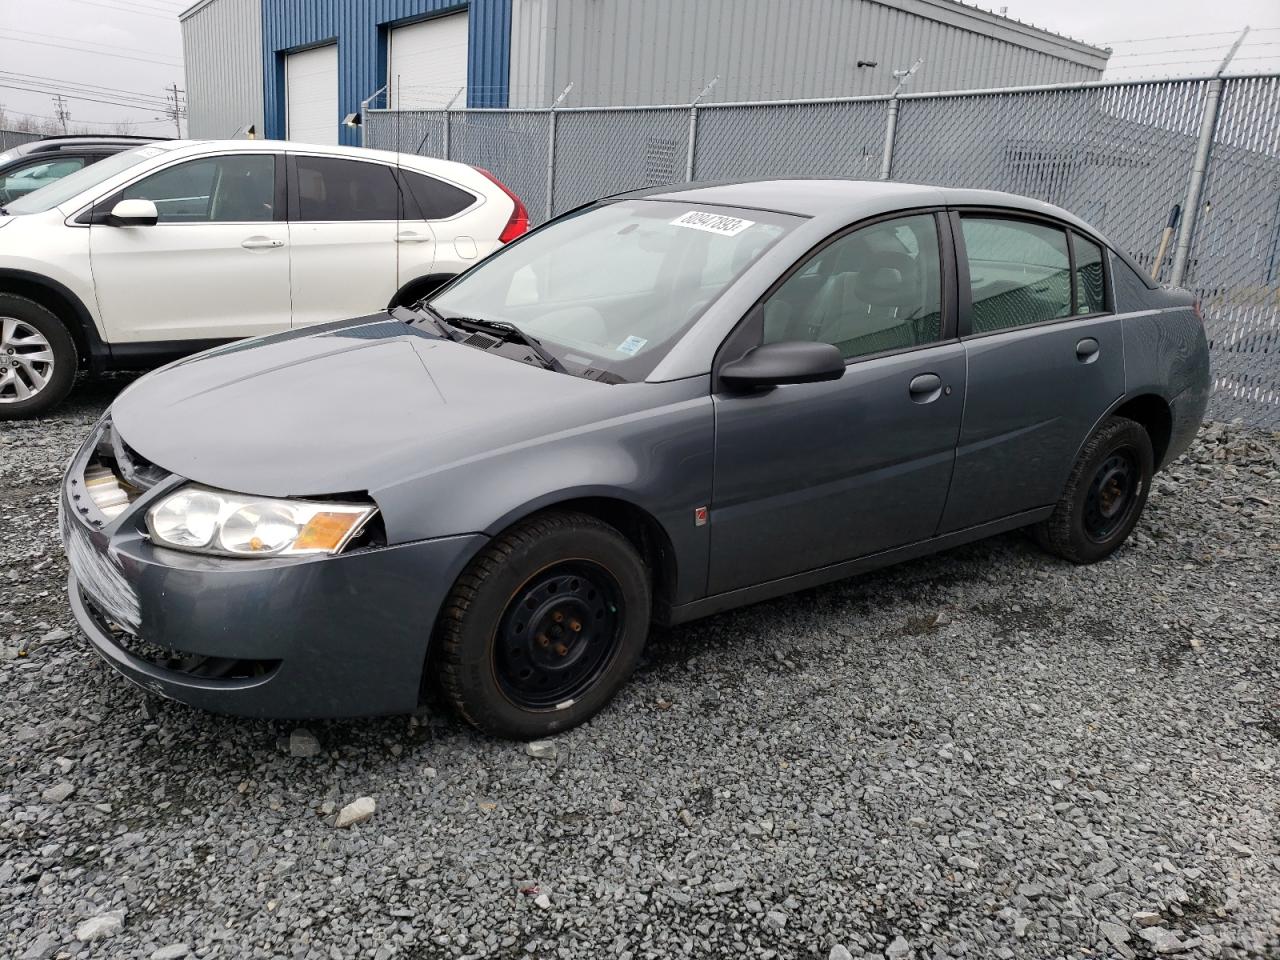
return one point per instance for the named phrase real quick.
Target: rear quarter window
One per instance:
(430, 199)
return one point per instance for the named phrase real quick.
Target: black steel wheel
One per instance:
(1104, 495)
(543, 627)
(1112, 495)
(557, 635)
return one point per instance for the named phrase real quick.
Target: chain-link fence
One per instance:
(1122, 156)
(12, 138)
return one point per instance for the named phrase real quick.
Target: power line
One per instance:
(100, 53)
(114, 103)
(159, 13)
(94, 45)
(146, 99)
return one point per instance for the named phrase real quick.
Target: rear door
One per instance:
(215, 266)
(1045, 359)
(807, 475)
(343, 219)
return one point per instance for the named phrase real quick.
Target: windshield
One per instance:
(612, 288)
(59, 192)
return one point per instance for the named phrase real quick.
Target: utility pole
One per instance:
(60, 111)
(175, 111)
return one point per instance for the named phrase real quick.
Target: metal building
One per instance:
(297, 68)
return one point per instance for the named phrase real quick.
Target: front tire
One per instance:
(38, 359)
(543, 626)
(1104, 496)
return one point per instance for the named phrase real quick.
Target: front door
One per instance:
(1045, 358)
(342, 238)
(215, 266)
(808, 475)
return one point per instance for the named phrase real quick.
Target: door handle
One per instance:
(1087, 350)
(261, 243)
(925, 388)
(412, 238)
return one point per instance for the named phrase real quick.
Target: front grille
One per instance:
(176, 661)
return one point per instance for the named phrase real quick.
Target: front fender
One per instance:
(658, 460)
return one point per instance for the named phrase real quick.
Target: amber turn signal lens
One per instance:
(327, 531)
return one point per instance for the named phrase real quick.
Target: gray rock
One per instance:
(542, 901)
(358, 811)
(58, 793)
(1114, 932)
(174, 951)
(303, 743)
(41, 948)
(840, 952)
(541, 749)
(102, 926)
(899, 949)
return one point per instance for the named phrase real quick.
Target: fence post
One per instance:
(691, 159)
(1195, 186)
(448, 121)
(551, 152)
(890, 134)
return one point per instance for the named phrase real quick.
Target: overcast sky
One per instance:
(130, 51)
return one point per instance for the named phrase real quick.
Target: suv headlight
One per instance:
(201, 520)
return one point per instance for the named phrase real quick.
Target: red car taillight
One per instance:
(518, 224)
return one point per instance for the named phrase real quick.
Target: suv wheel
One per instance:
(38, 358)
(544, 626)
(1104, 495)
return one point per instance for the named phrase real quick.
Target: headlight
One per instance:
(210, 521)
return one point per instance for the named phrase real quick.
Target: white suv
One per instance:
(170, 248)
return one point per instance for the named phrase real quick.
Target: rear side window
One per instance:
(1019, 273)
(1089, 279)
(332, 189)
(430, 199)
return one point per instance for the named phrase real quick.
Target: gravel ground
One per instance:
(988, 753)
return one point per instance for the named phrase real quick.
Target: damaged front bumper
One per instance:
(298, 637)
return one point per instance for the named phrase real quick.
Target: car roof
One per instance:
(845, 200)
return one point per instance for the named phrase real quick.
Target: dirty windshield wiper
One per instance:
(510, 332)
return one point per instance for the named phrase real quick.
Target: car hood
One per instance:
(353, 406)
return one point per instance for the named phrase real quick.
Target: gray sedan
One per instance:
(654, 408)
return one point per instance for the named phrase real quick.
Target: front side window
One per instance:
(74, 184)
(230, 189)
(1089, 278)
(36, 175)
(877, 289)
(330, 189)
(1019, 273)
(612, 288)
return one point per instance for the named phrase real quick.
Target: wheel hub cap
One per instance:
(26, 360)
(557, 635)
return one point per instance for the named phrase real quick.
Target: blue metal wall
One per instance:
(360, 29)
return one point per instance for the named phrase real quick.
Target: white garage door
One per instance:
(427, 63)
(311, 91)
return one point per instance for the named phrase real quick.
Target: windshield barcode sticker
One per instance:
(712, 223)
(631, 346)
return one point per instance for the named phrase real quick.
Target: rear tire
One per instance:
(38, 358)
(1104, 496)
(543, 626)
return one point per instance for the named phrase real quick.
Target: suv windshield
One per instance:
(610, 289)
(59, 192)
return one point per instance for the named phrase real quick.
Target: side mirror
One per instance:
(135, 213)
(789, 361)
